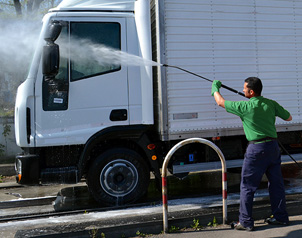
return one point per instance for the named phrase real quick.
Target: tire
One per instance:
(118, 176)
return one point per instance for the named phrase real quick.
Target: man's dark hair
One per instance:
(255, 84)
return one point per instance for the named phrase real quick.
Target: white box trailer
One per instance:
(227, 41)
(113, 123)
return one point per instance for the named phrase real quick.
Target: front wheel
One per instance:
(118, 176)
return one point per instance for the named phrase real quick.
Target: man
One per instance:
(262, 155)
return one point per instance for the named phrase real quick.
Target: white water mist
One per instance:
(18, 40)
(83, 50)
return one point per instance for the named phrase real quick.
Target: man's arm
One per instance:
(219, 99)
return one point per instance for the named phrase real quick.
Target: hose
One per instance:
(285, 150)
(222, 85)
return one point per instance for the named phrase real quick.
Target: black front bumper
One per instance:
(27, 169)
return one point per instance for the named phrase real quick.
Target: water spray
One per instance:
(197, 75)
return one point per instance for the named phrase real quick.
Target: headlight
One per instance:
(18, 166)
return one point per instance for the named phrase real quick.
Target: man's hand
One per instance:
(216, 85)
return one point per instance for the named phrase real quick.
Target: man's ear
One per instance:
(252, 92)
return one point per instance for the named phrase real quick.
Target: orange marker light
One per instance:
(151, 147)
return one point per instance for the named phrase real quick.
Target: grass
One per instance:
(196, 225)
(6, 113)
(213, 223)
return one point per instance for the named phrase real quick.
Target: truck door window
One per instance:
(87, 41)
(55, 91)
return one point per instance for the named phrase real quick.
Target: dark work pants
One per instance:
(259, 159)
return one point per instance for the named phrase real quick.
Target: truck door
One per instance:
(89, 93)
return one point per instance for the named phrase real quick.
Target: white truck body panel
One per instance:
(142, 18)
(25, 97)
(227, 41)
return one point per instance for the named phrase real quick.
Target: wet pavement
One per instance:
(147, 220)
(187, 201)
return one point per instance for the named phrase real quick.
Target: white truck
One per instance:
(114, 123)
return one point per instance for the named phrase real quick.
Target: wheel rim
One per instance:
(119, 178)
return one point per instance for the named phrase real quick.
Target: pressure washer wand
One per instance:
(222, 85)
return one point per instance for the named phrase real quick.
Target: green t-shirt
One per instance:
(258, 116)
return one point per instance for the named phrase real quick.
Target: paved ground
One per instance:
(262, 230)
(148, 220)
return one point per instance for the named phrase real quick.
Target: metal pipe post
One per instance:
(164, 177)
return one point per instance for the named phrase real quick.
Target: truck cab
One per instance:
(75, 111)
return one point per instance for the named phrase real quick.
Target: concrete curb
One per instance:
(7, 169)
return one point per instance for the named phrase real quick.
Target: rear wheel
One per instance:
(118, 176)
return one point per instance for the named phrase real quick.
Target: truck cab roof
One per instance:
(95, 5)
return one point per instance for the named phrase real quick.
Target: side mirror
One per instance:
(53, 31)
(50, 60)
(51, 52)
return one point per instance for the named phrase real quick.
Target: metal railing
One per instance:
(164, 177)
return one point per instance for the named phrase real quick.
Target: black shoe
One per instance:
(237, 226)
(273, 221)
